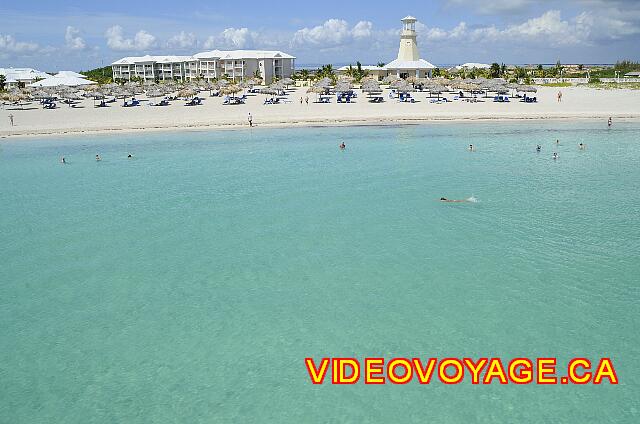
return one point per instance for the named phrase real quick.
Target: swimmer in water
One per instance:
(63, 160)
(581, 146)
(471, 148)
(129, 156)
(98, 158)
(538, 148)
(557, 141)
(343, 146)
(555, 155)
(444, 199)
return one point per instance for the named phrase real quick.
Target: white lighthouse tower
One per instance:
(408, 40)
(408, 63)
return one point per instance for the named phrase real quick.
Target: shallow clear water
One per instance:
(189, 283)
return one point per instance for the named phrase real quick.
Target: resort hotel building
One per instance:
(408, 63)
(234, 64)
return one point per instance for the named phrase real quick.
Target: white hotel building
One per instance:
(235, 64)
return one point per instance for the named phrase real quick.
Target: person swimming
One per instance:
(581, 146)
(538, 148)
(557, 141)
(343, 146)
(129, 156)
(555, 155)
(471, 148)
(470, 199)
(63, 160)
(98, 158)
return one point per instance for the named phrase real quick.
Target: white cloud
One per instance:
(332, 33)
(140, 42)
(182, 40)
(548, 29)
(362, 29)
(11, 45)
(235, 38)
(72, 40)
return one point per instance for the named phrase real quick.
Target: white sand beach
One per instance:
(577, 103)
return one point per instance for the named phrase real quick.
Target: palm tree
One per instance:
(326, 71)
(494, 72)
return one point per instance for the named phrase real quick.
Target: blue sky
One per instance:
(83, 34)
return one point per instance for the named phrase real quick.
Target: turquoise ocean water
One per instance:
(188, 284)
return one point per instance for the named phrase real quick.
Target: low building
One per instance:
(20, 77)
(373, 71)
(215, 64)
(470, 65)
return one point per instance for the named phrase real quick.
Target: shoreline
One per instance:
(308, 123)
(84, 119)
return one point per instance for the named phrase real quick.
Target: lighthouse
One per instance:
(408, 40)
(408, 63)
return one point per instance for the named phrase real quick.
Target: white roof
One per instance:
(410, 64)
(69, 74)
(409, 18)
(364, 67)
(472, 65)
(130, 60)
(54, 81)
(243, 54)
(22, 74)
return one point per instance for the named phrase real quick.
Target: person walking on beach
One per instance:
(559, 96)
(301, 100)
(11, 119)
(306, 99)
(250, 119)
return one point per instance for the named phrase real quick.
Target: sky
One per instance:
(80, 35)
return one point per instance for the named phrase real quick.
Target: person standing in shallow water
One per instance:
(609, 122)
(250, 119)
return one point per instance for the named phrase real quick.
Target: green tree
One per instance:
(3, 80)
(102, 75)
(494, 71)
(326, 71)
(381, 64)
(436, 72)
